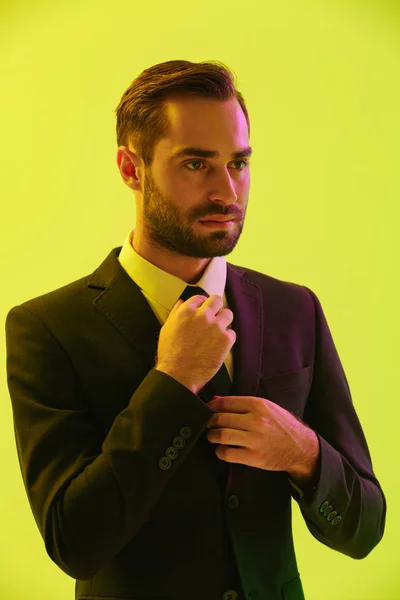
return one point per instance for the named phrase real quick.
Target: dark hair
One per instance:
(141, 117)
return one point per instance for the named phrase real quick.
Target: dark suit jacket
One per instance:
(95, 424)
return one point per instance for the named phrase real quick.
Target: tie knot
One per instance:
(192, 290)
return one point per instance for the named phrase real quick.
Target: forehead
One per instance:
(204, 122)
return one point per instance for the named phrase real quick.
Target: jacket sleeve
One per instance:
(343, 506)
(90, 495)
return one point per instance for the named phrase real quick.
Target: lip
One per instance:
(218, 219)
(217, 224)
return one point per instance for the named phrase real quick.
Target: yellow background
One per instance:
(321, 82)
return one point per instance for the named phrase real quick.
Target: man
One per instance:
(160, 462)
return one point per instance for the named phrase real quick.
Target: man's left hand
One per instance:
(268, 436)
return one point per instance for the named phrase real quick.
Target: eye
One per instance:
(245, 162)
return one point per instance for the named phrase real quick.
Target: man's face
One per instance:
(179, 191)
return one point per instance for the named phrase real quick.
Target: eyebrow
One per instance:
(202, 153)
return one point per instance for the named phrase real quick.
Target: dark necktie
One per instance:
(220, 384)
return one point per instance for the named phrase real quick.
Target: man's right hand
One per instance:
(195, 340)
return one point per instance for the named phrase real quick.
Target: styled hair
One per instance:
(141, 114)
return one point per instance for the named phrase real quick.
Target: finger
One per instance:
(177, 304)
